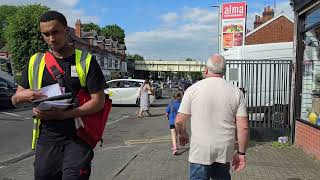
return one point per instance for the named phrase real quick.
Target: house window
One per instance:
(109, 63)
(105, 62)
(310, 95)
(116, 64)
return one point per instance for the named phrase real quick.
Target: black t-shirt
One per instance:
(57, 131)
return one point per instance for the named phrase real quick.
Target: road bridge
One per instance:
(170, 66)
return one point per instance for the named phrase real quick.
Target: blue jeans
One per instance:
(215, 171)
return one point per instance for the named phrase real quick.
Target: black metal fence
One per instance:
(267, 88)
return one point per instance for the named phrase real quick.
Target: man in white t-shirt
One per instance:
(217, 109)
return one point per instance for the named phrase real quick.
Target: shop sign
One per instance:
(233, 24)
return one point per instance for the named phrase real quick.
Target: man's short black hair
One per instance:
(53, 15)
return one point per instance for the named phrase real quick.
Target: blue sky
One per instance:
(158, 29)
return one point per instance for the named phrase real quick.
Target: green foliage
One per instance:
(277, 144)
(90, 27)
(189, 59)
(5, 12)
(114, 32)
(196, 75)
(23, 35)
(135, 57)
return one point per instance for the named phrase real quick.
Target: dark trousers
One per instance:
(215, 171)
(71, 161)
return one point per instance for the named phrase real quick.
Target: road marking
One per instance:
(11, 114)
(114, 147)
(148, 141)
(15, 115)
(115, 121)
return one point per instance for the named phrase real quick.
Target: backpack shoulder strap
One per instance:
(52, 65)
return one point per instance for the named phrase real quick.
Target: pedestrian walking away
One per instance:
(60, 153)
(171, 113)
(218, 110)
(145, 91)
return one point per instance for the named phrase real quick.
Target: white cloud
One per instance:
(67, 7)
(170, 17)
(70, 3)
(193, 36)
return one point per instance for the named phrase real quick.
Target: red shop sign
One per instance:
(234, 10)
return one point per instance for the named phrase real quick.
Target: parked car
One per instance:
(125, 91)
(7, 90)
(157, 90)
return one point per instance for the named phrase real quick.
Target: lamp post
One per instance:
(219, 27)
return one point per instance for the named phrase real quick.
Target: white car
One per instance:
(125, 91)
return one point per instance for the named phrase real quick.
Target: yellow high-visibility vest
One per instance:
(35, 74)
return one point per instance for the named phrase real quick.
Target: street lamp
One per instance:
(219, 28)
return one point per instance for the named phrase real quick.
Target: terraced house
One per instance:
(110, 54)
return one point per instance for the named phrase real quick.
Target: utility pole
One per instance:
(219, 26)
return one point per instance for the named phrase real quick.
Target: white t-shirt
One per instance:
(213, 104)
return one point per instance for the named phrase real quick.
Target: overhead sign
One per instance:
(233, 24)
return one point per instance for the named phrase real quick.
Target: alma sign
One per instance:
(233, 24)
(234, 10)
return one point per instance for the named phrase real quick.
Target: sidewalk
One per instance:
(264, 162)
(140, 149)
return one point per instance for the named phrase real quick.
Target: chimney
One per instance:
(267, 14)
(257, 22)
(78, 28)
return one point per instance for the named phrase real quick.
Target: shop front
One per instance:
(307, 76)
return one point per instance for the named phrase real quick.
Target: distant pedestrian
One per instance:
(218, 111)
(171, 113)
(145, 91)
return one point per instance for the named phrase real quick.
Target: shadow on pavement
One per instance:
(157, 115)
(182, 151)
(159, 105)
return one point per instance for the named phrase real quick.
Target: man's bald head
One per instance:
(216, 64)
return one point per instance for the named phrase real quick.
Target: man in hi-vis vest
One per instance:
(60, 154)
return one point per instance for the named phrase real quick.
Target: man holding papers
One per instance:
(60, 154)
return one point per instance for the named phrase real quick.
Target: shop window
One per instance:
(313, 17)
(310, 96)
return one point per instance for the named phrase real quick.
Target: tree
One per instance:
(196, 75)
(189, 59)
(23, 36)
(90, 27)
(5, 12)
(135, 57)
(114, 32)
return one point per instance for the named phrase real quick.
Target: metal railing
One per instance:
(267, 88)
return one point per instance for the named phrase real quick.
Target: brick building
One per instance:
(109, 54)
(306, 91)
(276, 29)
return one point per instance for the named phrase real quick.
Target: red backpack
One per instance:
(89, 127)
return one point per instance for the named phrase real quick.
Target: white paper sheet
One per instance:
(52, 90)
(47, 105)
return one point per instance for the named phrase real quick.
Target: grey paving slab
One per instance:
(140, 149)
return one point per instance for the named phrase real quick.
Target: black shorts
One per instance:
(172, 126)
(71, 161)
